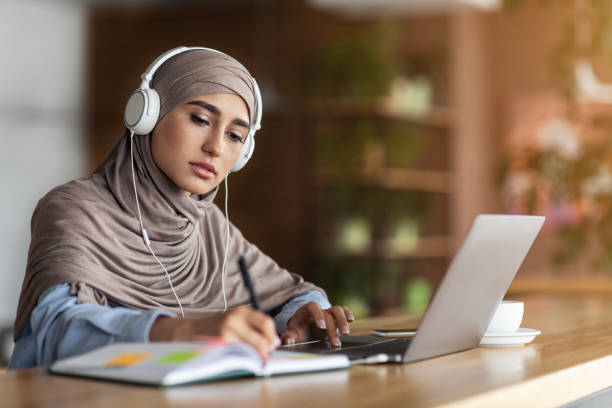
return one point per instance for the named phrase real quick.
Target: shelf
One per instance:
(437, 116)
(393, 178)
(368, 8)
(428, 247)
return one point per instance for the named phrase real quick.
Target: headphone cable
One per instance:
(145, 236)
(227, 240)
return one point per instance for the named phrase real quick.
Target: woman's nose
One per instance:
(213, 143)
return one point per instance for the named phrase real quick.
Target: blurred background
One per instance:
(387, 126)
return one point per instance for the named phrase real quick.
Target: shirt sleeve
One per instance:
(283, 313)
(59, 327)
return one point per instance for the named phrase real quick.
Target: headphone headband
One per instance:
(148, 74)
(142, 108)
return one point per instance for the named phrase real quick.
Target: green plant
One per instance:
(566, 170)
(345, 84)
(359, 66)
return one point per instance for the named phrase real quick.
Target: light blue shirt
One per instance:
(59, 327)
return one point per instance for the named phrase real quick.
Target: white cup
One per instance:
(507, 317)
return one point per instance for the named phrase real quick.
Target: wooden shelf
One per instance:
(393, 178)
(437, 116)
(428, 247)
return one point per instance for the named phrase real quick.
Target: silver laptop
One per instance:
(464, 303)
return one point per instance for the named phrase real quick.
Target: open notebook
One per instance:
(169, 364)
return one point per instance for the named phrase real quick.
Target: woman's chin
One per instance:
(191, 184)
(199, 189)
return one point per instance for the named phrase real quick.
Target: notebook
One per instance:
(175, 363)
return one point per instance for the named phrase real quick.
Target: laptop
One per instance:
(462, 306)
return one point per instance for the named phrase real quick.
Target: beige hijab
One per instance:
(87, 233)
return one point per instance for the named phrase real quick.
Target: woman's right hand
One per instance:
(242, 324)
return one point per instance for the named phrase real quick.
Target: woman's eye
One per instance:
(235, 137)
(198, 120)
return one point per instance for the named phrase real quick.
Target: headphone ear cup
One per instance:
(245, 153)
(142, 111)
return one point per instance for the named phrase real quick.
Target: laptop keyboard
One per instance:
(394, 348)
(358, 347)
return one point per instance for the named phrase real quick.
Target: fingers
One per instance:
(290, 336)
(349, 315)
(331, 320)
(324, 321)
(264, 325)
(332, 332)
(341, 321)
(299, 326)
(253, 327)
(317, 315)
(304, 323)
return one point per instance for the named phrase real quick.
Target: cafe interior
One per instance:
(387, 127)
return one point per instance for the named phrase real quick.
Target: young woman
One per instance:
(138, 252)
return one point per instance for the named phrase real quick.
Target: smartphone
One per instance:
(393, 332)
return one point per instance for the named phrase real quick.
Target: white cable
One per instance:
(227, 239)
(145, 236)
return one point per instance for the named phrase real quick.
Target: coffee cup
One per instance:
(507, 317)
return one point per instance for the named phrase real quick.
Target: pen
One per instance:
(246, 277)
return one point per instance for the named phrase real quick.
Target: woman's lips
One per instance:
(204, 170)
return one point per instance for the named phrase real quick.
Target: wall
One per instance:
(41, 87)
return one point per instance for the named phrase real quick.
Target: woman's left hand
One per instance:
(311, 322)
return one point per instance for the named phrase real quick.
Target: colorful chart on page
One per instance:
(127, 359)
(178, 357)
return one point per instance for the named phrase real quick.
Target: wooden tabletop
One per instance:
(570, 359)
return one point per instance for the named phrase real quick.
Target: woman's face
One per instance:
(197, 143)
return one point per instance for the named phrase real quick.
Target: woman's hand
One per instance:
(311, 322)
(242, 324)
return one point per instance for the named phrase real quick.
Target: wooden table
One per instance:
(570, 359)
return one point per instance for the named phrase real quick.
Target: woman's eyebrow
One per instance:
(240, 122)
(214, 110)
(207, 106)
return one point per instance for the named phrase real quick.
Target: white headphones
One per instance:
(142, 109)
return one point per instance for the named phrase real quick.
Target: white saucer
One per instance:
(520, 337)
